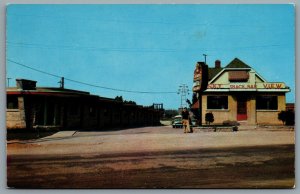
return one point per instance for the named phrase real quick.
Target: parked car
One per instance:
(177, 122)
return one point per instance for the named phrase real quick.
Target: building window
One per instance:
(74, 110)
(12, 102)
(266, 103)
(238, 76)
(217, 102)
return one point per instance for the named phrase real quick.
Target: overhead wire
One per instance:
(88, 84)
(88, 48)
(116, 49)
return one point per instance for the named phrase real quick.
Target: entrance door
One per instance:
(241, 109)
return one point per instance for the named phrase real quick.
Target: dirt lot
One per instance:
(154, 157)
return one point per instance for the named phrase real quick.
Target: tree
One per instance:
(189, 102)
(130, 102)
(290, 118)
(209, 118)
(282, 116)
(119, 98)
(287, 117)
(194, 99)
(170, 113)
(195, 111)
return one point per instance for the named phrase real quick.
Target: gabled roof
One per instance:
(212, 72)
(237, 63)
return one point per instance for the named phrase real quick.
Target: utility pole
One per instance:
(8, 81)
(62, 82)
(183, 91)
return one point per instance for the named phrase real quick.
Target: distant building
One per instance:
(237, 92)
(30, 107)
(290, 107)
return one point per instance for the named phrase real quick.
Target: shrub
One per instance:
(287, 117)
(209, 118)
(290, 118)
(282, 116)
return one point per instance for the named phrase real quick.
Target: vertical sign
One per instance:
(200, 77)
(200, 84)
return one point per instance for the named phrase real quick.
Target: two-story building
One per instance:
(237, 92)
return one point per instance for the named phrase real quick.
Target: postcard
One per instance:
(150, 96)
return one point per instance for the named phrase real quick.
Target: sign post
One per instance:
(200, 84)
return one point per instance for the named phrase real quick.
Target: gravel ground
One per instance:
(162, 138)
(154, 157)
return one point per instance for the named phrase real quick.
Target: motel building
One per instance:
(238, 93)
(50, 108)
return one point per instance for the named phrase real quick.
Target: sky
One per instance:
(148, 50)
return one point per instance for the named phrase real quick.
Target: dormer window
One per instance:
(238, 76)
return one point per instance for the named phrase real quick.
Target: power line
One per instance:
(44, 72)
(120, 49)
(88, 84)
(89, 48)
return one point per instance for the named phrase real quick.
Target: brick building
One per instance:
(30, 107)
(237, 92)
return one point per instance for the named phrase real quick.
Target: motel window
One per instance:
(12, 102)
(217, 102)
(266, 103)
(92, 111)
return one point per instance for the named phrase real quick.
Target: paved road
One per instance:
(153, 158)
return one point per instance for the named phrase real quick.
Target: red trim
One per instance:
(195, 105)
(40, 93)
(241, 117)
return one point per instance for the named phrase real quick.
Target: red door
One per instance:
(241, 109)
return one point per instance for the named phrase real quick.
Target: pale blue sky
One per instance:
(147, 47)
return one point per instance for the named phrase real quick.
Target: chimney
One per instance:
(25, 84)
(217, 64)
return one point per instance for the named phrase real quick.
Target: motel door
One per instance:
(241, 108)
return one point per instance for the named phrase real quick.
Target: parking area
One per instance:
(148, 139)
(154, 157)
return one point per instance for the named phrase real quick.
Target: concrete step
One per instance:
(243, 123)
(215, 129)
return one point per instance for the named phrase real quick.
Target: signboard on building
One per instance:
(245, 86)
(200, 77)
